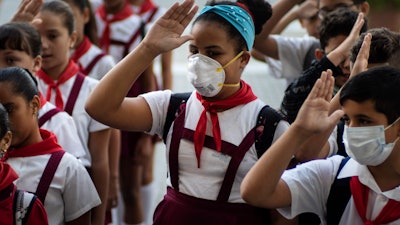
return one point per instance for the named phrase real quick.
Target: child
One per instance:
(95, 63)
(35, 214)
(370, 105)
(60, 81)
(44, 168)
(20, 45)
(91, 59)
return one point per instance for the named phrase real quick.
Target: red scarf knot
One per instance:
(243, 96)
(71, 70)
(360, 192)
(105, 38)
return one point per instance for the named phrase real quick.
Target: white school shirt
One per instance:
(71, 193)
(310, 185)
(121, 31)
(102, 66)
(205, 182)
(63, 126)
(83, 122)
(292, 52)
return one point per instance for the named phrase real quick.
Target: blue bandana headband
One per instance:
(238, 17)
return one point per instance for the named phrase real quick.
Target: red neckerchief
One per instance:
(43, 101)
(81, 49)
(389, 213)
(71, 70)
(121, 15)
(7, 191)
(243, 96)
(7, 175)
(147, 6)
(48, 145)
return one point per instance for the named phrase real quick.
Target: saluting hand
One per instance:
(313, 116)
(166, 33)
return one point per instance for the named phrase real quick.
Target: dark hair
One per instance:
(385, 47)
(23, 83)
(62, 9)
(20, 36)
(4, 121)
(338, 22)
(379, 85)
(260, 10)
(90, 28)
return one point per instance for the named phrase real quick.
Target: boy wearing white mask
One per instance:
(371, 109)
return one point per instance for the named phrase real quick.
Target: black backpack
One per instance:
(267, 117)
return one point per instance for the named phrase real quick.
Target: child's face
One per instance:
(211, 40)
(56, 41)
(10, 57)
(22, 114)
(364, 114)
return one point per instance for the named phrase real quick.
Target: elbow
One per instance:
(249, 194)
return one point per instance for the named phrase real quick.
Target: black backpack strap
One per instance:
(22, 206)
(267, 121)
(339, 138)
(176, 100)
(338, 196)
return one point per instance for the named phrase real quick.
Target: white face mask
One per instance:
(367, 145)
(207, 75)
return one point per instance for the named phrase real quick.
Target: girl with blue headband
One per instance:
(210, 144)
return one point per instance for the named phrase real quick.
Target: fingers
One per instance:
(361, 63)
(323, 87)
(358, 25)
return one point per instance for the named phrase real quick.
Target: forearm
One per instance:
(261, 183)
(109, 94)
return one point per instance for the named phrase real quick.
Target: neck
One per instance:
(55, 72)
(136, 2)
(386, 176)
(114, 9)
(33, 138)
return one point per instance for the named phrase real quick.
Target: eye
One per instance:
(346, 120)
(8, 108)
(10, 61)
(193, 51)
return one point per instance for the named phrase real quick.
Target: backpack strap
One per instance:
(339, 196)
(23, 203)
(48, 174)
(267, 121)
(339, 138)
(45, 117)
(176, 100)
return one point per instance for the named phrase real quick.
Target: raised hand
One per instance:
(361, 63)
(27, 10)
(341, 53)
(313, 116)
(166, 33)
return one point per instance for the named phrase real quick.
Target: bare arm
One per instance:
(82, 220)
(114, 151)
(100, 171)
(263, 185)
(263, 42)
(107, 103)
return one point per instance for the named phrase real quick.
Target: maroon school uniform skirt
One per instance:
(180, 209)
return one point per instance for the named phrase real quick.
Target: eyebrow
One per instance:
(207, 47)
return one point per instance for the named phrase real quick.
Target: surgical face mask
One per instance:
(367, 145)
(207, 75)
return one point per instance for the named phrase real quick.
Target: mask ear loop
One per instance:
(230, 62)
(391, 125)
